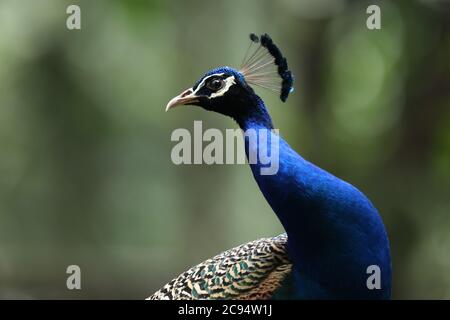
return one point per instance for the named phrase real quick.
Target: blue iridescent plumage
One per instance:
(334, 232)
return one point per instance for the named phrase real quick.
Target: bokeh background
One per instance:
(86, 176)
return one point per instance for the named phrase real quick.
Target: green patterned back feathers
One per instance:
(254, 270)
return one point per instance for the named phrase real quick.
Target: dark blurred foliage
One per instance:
(86, 174)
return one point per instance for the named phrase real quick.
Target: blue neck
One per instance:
(334, 232)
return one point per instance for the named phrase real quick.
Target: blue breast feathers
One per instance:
(334, 232)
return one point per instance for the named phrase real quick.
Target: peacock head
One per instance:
(220, 90)
(230, 92)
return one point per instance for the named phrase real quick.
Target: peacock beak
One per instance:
(186, 97)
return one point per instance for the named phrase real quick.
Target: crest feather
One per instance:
(266, 67)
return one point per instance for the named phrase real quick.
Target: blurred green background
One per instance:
(86, 176)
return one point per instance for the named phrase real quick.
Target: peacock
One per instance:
(335, 245)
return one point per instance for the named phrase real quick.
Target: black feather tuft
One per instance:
(281, 62)
(254, 37)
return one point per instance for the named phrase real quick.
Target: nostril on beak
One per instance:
(186, 93)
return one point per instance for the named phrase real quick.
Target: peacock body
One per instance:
(334, 233)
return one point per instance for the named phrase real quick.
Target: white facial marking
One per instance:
(228, 83)
(203, 81)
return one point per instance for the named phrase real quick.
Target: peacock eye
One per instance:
(215, 84)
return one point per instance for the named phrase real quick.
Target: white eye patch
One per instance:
(228, 83)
